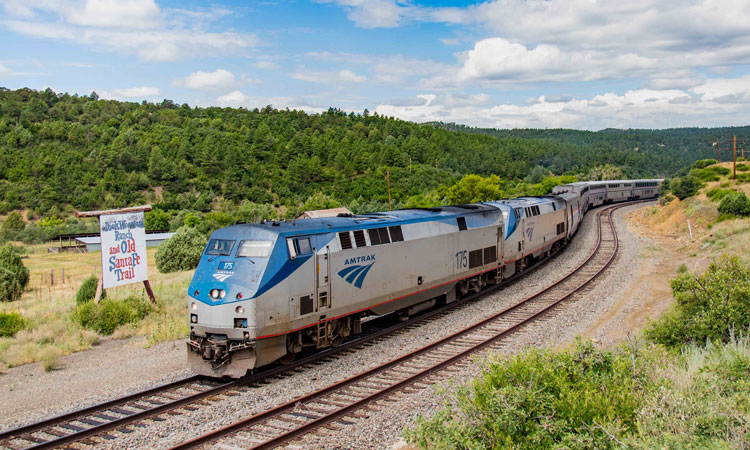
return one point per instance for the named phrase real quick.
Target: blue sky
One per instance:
(587, 64)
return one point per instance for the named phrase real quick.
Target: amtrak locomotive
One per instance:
(264, 292)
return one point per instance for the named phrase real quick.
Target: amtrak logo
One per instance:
(529, 233)
(355, 274)
(222, 276)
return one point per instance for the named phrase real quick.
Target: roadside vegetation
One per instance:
(683, 383)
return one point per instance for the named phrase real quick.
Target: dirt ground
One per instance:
(666, 246)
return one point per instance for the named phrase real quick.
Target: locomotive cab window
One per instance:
(254, 249)
(298, 247)
(219, 247)
(461, 223)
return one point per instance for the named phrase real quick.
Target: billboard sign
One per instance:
(123, 238)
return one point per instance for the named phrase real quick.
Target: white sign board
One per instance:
(123, 249)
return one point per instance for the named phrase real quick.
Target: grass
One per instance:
(47, 308)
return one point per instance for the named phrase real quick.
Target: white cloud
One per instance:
(342, 76)
(373, 13)
(234, 98)
(4, 71)
(138, 93)
(725, 90)
(239, 99)
(450, 41)
(266, 65)
(719, 102)
(134, 27)
(139, 14)
(218, 80)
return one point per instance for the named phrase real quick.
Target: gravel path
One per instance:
(111, 369)
(383, 428)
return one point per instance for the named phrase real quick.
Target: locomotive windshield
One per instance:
(254, 249)
(221, 247)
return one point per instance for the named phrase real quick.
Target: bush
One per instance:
(14, 276)
(716, 194)
(684, 187)
(703, 163)
(104, 317)
(87, 290)
(735, 203)
(707, 307)
(180, 252)
(11, 323)
(12, 225)
(743, 167)
(542, 399)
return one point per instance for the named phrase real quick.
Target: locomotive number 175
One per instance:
(461, 259)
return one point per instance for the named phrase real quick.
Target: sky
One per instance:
(585, 64)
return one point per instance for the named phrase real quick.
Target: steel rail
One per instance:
(25, 432)
(343, 411)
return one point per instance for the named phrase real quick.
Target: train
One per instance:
(265, 292)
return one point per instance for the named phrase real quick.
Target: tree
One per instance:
(12, 224)
(180, 252)
(474, 188)
(14, 276)
(157, 220)
(684, 187)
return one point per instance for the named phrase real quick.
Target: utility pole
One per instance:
(388, 175)
(718, 152)
(734, 164)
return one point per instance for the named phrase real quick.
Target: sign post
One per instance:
(123, 244)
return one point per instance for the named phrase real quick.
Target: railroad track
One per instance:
(122, 413)
(87, 425)
(341, 402)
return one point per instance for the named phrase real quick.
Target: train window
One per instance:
(220, 247)
(383, 232)
(536, 210)
(461, 223)
(374, 236)
(475, 258)
(517, 212)
(254, 249)
(345, 239)
(396, 234)
(298, 246)
(490, 254)
(528, 212)
(359, 238)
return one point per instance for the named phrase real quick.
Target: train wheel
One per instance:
(288, 358)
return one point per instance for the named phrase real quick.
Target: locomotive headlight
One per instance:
(214, 293)
(222, 293)
(239, 310)
(193, 306)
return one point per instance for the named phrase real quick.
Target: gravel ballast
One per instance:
(383, 427)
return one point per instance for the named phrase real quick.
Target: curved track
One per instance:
(79, 426)
(303, 415)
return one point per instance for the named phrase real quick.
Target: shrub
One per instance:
(684, 187)
(703, 163)
(542, 399)
(735, 203)
(14, 276)
(87, 290)
(50, 358)
(11, 260)
(104, 317)
(708, 307)
(716, 194)
(180, 252)
(12, 225)
(11, 323)
(743, 167)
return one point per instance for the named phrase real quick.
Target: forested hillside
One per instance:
(671, 150)
(60, 152)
